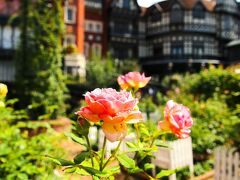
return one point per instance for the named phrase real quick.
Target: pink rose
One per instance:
(133, 80)
(177, 119)
(113, 107)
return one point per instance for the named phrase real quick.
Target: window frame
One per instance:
(74, 11)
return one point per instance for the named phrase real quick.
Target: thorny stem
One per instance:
(103, 153)
(112, 155)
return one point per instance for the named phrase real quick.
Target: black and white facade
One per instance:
(123, 19)
(183, 35)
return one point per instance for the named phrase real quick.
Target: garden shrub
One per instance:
(22, 157)
(212, 95)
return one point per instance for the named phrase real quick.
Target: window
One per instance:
(156, 16)
(69, 39)
(198, 49)
(16, 37)
(70, 14)
(132, 5)
(7, 37)
(93, 26)
(176, 14)
(90, 27)
(97, 49)
(177, 49)
(99, 27)
(1, 39)
(98, 38)
(130, 53)
(227, 23)
(142, 27)
(198, 12)
(158, 50)
(86, 49)
(126, 4)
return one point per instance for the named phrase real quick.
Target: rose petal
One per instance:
(114, 132)
(86, 113)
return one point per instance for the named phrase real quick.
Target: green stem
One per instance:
(137, 131)
(90, 149)
(152, 142)
(112, 155)
(103, 153)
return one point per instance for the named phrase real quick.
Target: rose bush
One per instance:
(112, 110)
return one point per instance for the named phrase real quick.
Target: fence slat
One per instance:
(236, 166)
(226, 164)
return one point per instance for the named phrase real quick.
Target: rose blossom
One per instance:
(177, 119)
(133, 80)
(114, 108)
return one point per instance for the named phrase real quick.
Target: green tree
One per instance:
(39, 76)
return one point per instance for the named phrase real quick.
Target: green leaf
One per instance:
(148, 166)
(126, 161)
(161, 143)
(70, 170)
(81, 157)
(22, 176)
(95, 178)
(135, 170)
(111, 178)
(60, 161)
(112, 170)
(164, 173)
(143, 149)
(92, 171)
(81, 172)
(131, 145)
(143, 129)
(77, 139)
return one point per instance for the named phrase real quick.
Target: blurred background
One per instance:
(53, 51)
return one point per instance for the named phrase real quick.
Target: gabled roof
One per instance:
(188, 4)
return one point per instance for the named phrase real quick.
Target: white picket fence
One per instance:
(178, 155)
(226, 164)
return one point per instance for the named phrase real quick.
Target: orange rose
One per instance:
(114, 108)
(133, 80)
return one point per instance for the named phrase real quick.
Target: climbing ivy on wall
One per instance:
(40, 81)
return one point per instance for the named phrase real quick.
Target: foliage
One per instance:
(202, 167)
(212, 96)
(21, 157)
(218, 83)
(147, 105)
(70, 49)
(39, 76)
(8, 114)
(101, 73)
